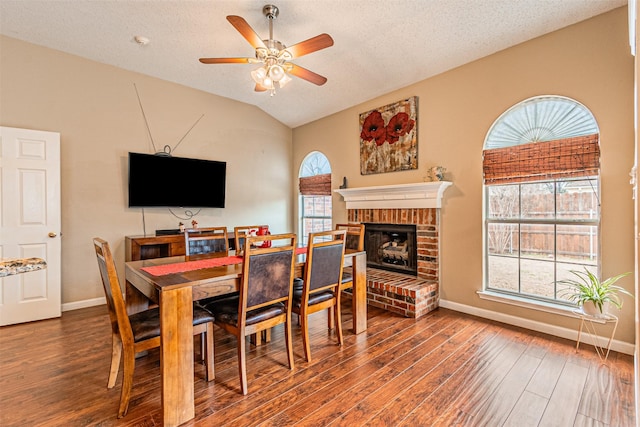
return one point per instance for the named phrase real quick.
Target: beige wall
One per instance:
(589, 62)
(95, 109)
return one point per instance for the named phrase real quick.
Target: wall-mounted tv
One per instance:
(166, 181)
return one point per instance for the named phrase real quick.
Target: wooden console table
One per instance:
(148, 247)
(138, 248)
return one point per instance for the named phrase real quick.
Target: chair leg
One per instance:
(259, 337)
(256, 339)
(127, 381)
(116, 354)
(338, 318)
(289, 342)
(209, 352)
(203, 347)
(304, 320)
(330, 319)
(242, 363)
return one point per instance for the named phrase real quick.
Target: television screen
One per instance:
(165, 181)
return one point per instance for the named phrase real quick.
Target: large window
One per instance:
(315, 195)
(542, 201)
(538, 232)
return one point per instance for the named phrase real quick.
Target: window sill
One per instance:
(527, 303)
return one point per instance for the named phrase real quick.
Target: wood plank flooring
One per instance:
(446, 369)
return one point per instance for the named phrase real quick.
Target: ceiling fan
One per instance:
(274, 57)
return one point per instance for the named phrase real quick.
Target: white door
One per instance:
(30, 222)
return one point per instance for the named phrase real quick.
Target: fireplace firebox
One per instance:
(391, 247)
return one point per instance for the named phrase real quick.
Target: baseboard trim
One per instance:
(570, 334)
(83, 304)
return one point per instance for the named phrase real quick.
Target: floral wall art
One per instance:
(388, 138)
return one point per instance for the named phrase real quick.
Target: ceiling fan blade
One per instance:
(246, 31)
(225, 60)
(260, 88)
(311, 45)
(307, 75)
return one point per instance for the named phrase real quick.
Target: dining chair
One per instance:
(355, 235)
(133, 334)
(321, 282)
(206, 242)
(354, 240)
(240, 233)
(264, 300)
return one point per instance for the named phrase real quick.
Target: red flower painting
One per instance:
(388, 138)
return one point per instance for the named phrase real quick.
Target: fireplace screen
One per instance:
(391, 247)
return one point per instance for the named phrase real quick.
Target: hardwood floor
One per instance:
(445, 369)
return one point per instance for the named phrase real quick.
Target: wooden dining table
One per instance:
(175, 293)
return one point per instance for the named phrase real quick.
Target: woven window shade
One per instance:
(537, 161)
(317, 185)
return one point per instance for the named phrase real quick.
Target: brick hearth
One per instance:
(401, 293)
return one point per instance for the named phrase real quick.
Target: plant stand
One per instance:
(589, 324)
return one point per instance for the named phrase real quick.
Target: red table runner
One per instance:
(181, 267)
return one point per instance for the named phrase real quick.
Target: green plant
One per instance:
(587, 287)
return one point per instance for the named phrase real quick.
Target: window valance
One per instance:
(537, 161)
(317, 185)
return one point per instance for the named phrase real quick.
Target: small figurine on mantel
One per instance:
(181, 227)
(194, 224)
(435, 173)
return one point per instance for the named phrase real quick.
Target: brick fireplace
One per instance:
(404, 204)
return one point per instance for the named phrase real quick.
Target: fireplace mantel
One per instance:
(415, 195)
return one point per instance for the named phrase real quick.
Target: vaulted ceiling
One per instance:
(380, 46)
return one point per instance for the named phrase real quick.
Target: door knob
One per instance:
(52, 234)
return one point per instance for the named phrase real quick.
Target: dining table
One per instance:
(174, 283)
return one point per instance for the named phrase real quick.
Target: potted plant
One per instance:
(592, 294)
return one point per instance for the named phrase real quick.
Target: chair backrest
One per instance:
(240, 234)
(325, 259)
(267, 275)
(115, 302)
(206, 242)
(355, 235)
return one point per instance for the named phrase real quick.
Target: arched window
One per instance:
(541, 164)
(315, 195)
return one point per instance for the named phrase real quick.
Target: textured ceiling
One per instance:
(380, 46)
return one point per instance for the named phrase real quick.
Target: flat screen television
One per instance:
(166, 181)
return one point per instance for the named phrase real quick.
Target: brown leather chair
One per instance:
(355, 235)
(206, 242)
(264, 300)
(354, 241)
(133, 334)
(240, 233)
(321, 283)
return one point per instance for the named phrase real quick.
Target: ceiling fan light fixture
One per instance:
(284, 80)
(259, 74)
(276, 73)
